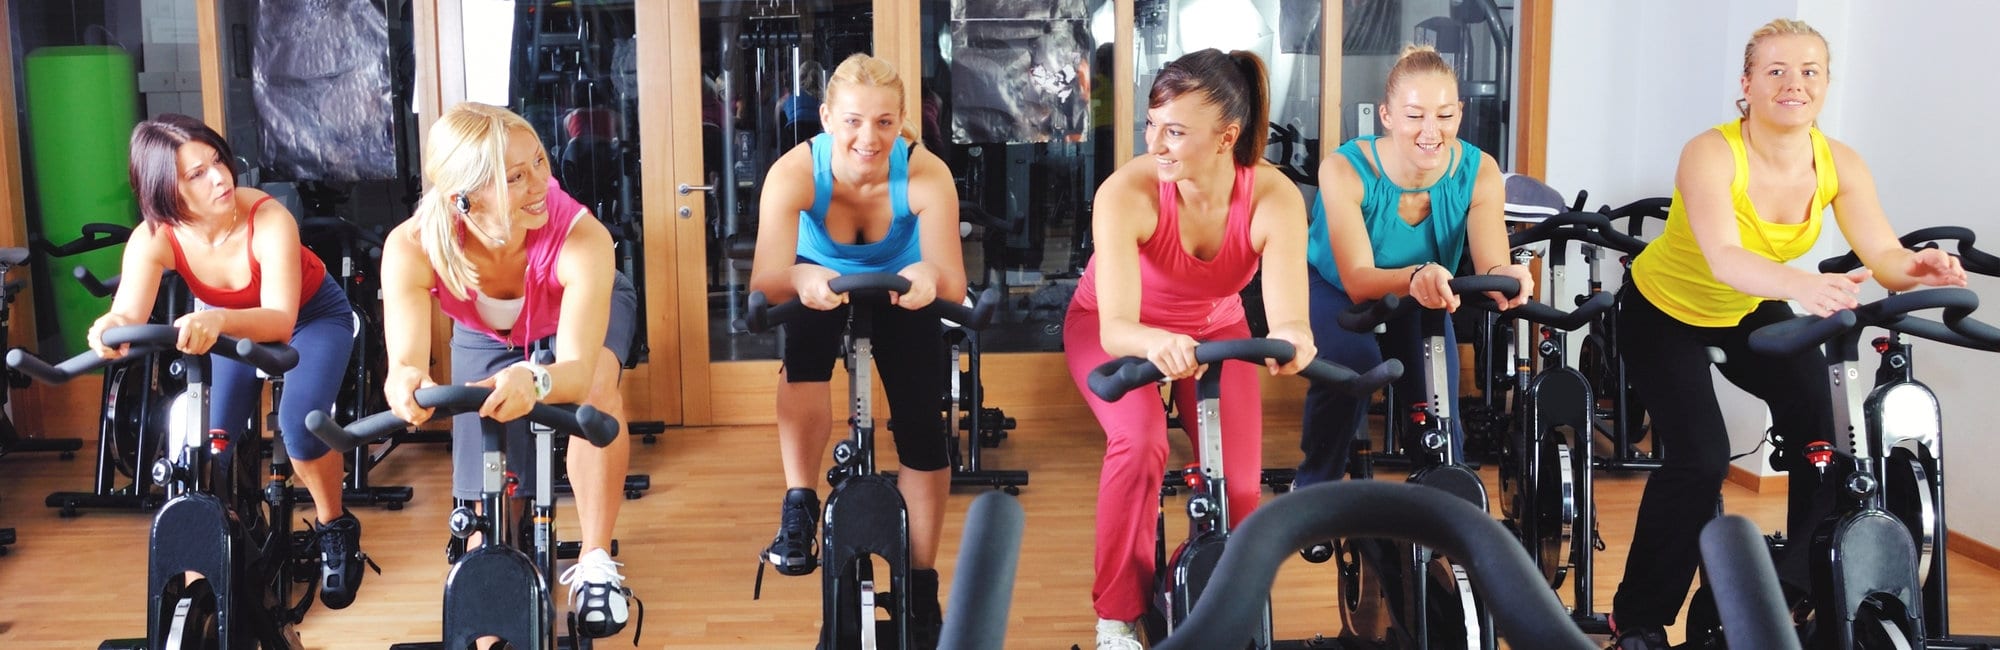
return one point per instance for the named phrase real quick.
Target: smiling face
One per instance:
(1187, 137)
(1787, 79)
(1421, 118)
(864, 121)
(207, 188)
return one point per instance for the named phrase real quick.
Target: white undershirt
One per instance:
(499, 314)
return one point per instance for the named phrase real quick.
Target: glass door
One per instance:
(747, 79)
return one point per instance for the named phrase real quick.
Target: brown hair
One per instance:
(155, 164)
(1233, 82)
(870, 72)
(1777, 27)
(1416, 60)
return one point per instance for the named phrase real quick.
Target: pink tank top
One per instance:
(1183, 292)
(541, 291)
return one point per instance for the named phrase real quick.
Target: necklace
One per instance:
(236, 219)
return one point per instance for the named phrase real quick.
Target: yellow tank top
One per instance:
(1673, 273)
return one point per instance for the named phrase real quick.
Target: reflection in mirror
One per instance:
(1017, 101)
(764, 64)
(1473, 35)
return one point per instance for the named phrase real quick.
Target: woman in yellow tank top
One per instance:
(1749, 195)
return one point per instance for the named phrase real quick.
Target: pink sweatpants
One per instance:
(1135, 458)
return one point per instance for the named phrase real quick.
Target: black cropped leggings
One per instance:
(909, 352)
(1668, 363)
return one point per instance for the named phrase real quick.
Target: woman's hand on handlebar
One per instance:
(1301, 338)
(1430, 285)
(1173, 354)
(400, 391)
(513, 394)
(1518, 272)
(923, 286)
(96, 336)
(1933, 267)
(1822, 294)
(198, 331)
(810, 282)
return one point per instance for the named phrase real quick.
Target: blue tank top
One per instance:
(899, 248)
(1439, 238)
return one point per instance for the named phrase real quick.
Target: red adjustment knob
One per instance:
(513, 483)
(218, 441)
(1191, 475)
(1819, 453)
(1420, 413)
(1881, 344)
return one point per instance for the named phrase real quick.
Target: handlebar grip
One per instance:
(1617, 241)
(586, 422)
(1791, 337)
(982, 587)
(1560, 226)
(760, 315)
(272, 358)
(853, 282)
(93, 236)
(95, 287)
(1113, 379)
(40, 370)
(1747, 596)
(357, 433)
(1345, 380)
(1365, 316)
(1501, 284)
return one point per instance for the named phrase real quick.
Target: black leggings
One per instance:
(909, 352)
(1668, 363)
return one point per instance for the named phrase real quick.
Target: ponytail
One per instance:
(1256, 119)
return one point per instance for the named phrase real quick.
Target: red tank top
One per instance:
(312, 272)
(1184, 292)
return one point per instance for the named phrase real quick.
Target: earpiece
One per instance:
(461, 203)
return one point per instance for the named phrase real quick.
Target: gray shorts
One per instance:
(476, 356)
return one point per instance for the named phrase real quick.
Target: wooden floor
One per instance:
(689, 547)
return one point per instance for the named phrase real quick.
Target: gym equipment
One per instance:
(972, 425)
(864, 515)
(10, 437)
(1400, 595)
(1180, 580)
(1623, 421)
(499, 589)
(215, 522)
(353, 256)
(984, 586)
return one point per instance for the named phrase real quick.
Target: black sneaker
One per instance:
(340, 560)
(1640, 637)
(792, 550)
(926, 617)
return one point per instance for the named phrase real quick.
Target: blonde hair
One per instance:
(1778, 27)
(866, 71)
(1416, 60)
(466, 154)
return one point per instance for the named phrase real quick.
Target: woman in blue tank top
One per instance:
(859, 199)
(1407, 208)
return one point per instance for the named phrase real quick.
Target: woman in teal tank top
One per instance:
(1406, 209)
(860, 198)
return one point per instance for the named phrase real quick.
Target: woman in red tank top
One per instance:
(1178, 233)
(218, 236)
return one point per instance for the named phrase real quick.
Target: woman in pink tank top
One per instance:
(1178, 234)
(515, 263)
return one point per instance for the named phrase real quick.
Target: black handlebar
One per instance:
(1747, 596)
(582, 421)
(872, 287)
(982, 587)
(1958, 327)
(92, 285)
(272, 358)
(1592, 227)
(1568, 321)
(1974, 260)
(1232, 605)
(1112, 380)
(94, 236)
(1366, 315)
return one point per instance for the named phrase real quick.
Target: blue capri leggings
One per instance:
(324, 337)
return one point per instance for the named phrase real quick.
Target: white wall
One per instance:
(1632, 82)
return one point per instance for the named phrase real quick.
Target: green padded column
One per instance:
(82, 102)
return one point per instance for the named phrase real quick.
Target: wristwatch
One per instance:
(544, 382)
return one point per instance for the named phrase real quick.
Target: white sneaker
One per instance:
(597, 593)
(1117, 635)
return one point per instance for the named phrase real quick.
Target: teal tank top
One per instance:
(1439, 238)
(899, 248)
